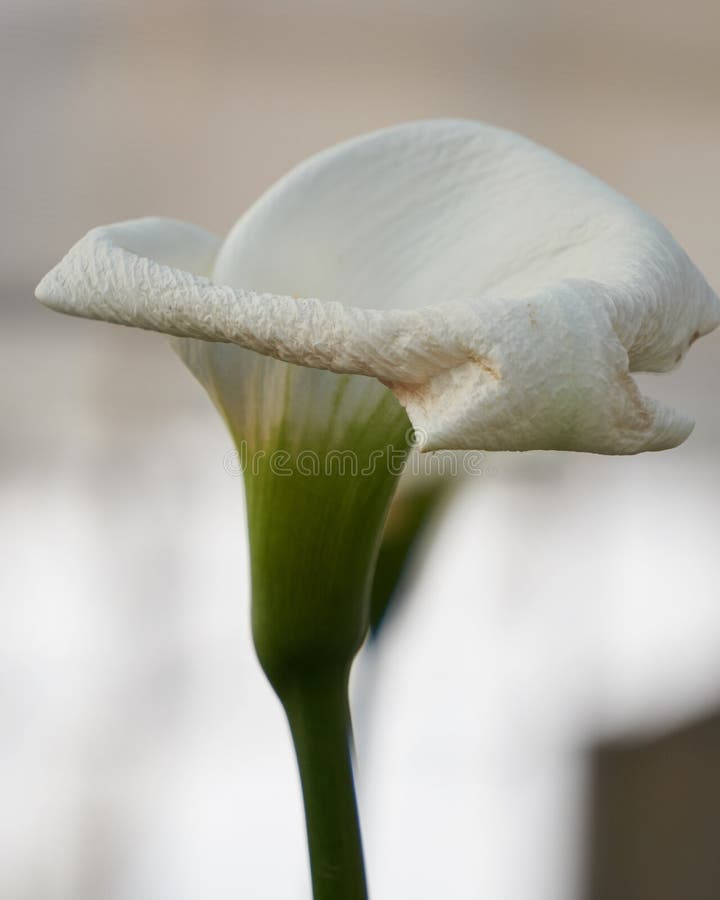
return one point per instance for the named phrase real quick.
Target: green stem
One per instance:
(319, 716)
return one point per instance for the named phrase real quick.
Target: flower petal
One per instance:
(522, 291)
(267, 403)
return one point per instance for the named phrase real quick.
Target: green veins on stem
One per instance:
(321, 455)
(317, 498)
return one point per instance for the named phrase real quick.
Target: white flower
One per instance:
(503, 294)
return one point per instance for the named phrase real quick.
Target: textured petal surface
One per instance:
(504, 294)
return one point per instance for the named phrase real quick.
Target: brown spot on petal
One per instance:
(695, 335)
(482, 363)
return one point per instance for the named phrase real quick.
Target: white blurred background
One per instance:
(566, 601)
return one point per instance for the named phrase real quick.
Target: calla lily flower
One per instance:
(503, 294)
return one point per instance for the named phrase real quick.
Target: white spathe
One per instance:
(503, 294)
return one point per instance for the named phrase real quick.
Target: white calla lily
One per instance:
(503, 294)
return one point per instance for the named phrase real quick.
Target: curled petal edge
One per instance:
(549, 371)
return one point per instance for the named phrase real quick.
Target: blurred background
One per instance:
(538, 720)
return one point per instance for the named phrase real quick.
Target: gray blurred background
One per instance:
(560, 630)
